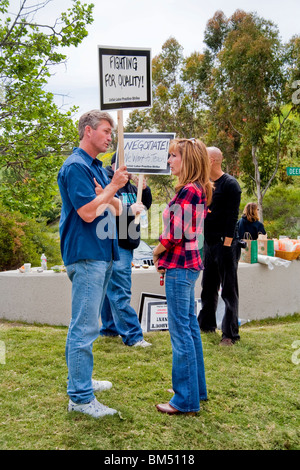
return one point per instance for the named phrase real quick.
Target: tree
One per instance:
(176, 102)
(34, 133)
(252, 72)
(176, 105)
(241, 94)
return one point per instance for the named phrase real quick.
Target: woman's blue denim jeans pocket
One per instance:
(89, 282)
(188, 373)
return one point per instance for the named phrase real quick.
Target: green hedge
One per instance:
(281, 209)
(23, 240)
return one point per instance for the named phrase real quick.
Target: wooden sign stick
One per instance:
(120, 138)
(139, 196)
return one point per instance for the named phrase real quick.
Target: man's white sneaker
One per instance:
(142, 344)
(101, 385)
(94, 408)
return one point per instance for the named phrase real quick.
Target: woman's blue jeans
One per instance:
(118, 317)
(188, 373)
(89, 282)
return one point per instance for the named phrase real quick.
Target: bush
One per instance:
(24, 240)
(282, 211)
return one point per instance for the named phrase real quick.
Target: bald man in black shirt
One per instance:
(221, 252)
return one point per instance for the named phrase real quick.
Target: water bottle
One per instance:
(44, 262)
(144, 219)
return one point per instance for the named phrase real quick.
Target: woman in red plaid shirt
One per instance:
(177, 255)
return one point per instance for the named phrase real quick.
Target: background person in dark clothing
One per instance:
(249, 225)
(221, 252)
(117, 315)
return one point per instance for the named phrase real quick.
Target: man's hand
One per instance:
(136, 208)
(135, 179)
(98, 188)
(105, 197)
(120, 177)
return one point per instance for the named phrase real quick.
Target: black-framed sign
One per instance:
(147, 153)
(125, 78)
(157, 318)
(145, 299)
(153, 311)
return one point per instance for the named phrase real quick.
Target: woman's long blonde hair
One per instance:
(251, 212)
(195, 165)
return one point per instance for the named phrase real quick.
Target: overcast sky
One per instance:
(148, 24)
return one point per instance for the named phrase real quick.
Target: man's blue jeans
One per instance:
(188, 374)
(117, 315)
(89, 282)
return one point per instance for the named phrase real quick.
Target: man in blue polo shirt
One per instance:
(89, 245)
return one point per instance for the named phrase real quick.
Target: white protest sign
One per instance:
(147, 153)
(125, 78)
(157, 316)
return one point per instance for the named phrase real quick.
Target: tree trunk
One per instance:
(258, 184)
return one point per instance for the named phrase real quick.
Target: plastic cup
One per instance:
(27, 267)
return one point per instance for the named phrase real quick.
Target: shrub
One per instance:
(24, 240)
(282, 211)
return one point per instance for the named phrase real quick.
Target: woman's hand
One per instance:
(155, 261)
(157, 252)
(136, 208)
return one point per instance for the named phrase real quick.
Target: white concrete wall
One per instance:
(46, 297)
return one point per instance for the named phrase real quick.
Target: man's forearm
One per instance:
(93, 209)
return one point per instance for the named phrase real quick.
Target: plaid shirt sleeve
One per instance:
(183, 223)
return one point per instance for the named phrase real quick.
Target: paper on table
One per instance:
(272, 261)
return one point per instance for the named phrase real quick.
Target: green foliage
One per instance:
(236, 95)
(176, 94)
(289, 152)
(23, 240)
(282, 211)
(251, 95)
(34, 133)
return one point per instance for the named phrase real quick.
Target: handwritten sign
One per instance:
(147, 153)
(125, 78)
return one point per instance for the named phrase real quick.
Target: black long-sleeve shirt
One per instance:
(250, 230)
(223, 211)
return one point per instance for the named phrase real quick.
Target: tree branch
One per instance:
(281, 124)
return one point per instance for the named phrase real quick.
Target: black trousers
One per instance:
(220, 269)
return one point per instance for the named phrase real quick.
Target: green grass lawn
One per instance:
(253, 392)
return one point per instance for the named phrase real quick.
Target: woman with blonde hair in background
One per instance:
(177, 255)
(249, 225)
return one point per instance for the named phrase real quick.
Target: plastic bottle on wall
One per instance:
(144, 219)
(44, 262)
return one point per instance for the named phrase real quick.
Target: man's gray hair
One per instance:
(93, 119)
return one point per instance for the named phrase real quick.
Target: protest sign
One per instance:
(125, 82)
(157, 316)
(153, 312)
(147, 153)
(125, 78)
